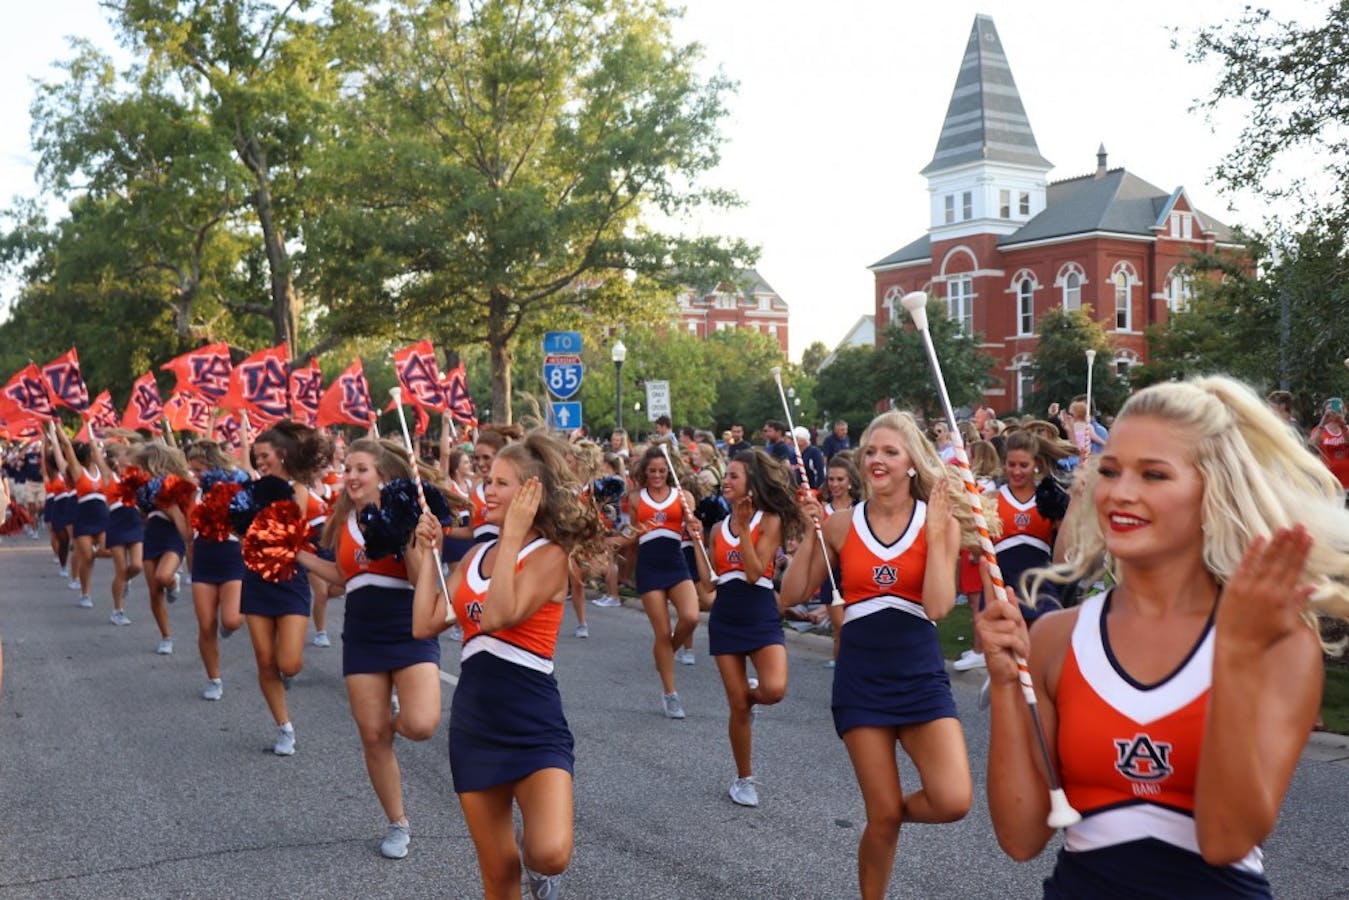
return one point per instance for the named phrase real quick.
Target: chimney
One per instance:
(1100, 161)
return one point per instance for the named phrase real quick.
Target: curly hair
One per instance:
(1257, 477)
(304, 451)
(654, 452)
(773, 490)
(565, 516)
(928, 469)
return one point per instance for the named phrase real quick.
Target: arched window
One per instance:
(1177, 289)
(1070, 281)
(1123, 279)
(1025, 306)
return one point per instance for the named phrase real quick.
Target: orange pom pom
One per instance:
(211, 517)
(176, 492)
(278, 533)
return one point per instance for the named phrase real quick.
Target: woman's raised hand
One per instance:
(520, 514)
(1002, 632)
(1265, 598)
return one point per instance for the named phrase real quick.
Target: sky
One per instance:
(839, 106)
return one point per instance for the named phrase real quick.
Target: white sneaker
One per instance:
(396, 839)
(165, 646)
(172, 593)
(64, 572)
(966, 654)
(966, 663)
(582, 631)
(744, 792)
(118, 617)
(606, 600)
(73, 584)
(214, 690)
(455, 632)
(684, 656)
(285, 741)
(673, 709)
(321, 639)
(86, 601)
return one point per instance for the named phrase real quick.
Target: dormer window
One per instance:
(1023, 204)
(1004, 204)
(967, 206)
(950, 208)
(1182, 226)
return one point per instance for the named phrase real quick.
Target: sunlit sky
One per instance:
(839, 106)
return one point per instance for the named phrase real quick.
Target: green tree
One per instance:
(904, 375)
(1291, 81)
(1059, 364)
(740, 364)
(813, 356)
(847, 388)
(263, 77)
(502, 162)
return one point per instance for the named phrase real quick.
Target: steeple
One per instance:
(985, 121)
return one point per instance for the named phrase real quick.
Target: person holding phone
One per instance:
(1329, 439)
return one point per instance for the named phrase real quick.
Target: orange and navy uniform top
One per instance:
(56, 487)
(315, 514)
(1128, 752)
(663, 520)
(482, 529)
(361, 571)
(530, 643)
(876, 576)
(727, 559)
(1027, 540)
(88, 489)
(1335, 453)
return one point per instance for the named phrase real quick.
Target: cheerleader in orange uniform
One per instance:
(379, 652)
(745, 623)
(897, 555)
(125, 539)
(509, 741)
(217, 563)
(277, 614)
(90, 522)
(166, 501)
(659, 517)
(57, 508)
(1177, 703)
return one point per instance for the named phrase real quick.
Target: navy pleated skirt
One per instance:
(744, 618)
(125, 527)
(660, 565)
(216, 562)
(890, 671)
(377, 632)
(162, 537)
(506, 722)
(260, 597)
(91, 517)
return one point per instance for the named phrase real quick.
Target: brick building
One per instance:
(748, 304)
(1005, 244)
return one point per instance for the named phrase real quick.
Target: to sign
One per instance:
(657, 400)
(562, 369)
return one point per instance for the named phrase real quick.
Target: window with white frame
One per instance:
(1023, 203)
(1122, 368)
(1004, 204)
(950, 208)
(725, 301)
(966, 206)
(725, 326)
(1071, 280)
(1025, 384)
(765, 303)
(1025, 307)
(960, 303)
(773, 329)
(693, 328)
(1177, 290)
(1123, 279)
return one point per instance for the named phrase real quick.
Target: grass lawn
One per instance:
(957, 629)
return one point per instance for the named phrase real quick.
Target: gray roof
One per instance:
(911, 252)
(1116, 201)
(985, 120)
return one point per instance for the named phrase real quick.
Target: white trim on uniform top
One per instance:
(486, 643)
(1145, 820)
(479, 582)
(854, 611)
(910, 534)
(739, 575)
(374, 579)
(92, 496)
(1006, 492)
(1022, 540)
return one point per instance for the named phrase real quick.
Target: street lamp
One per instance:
(618, 353)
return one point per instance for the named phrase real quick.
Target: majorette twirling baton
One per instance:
(1061, 812)
(661, 442)
(397, 394)
(801, 470)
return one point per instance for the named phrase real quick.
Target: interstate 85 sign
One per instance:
(562, 369)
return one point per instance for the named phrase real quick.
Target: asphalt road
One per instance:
(117, 781)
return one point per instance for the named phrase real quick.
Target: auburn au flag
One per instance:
(418, 376)
(188, 412)
(457, 399)
(102, 415)
(230, 432)
(65, 383)
(260, 386)
(306, 390)
(144, 409)
(26, 393)
(204, 371)
(347, 399)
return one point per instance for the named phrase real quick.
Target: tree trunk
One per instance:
(285, 303)
(501, 361)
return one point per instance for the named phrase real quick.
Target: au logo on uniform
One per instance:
(884, 575)
(1142, 759)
